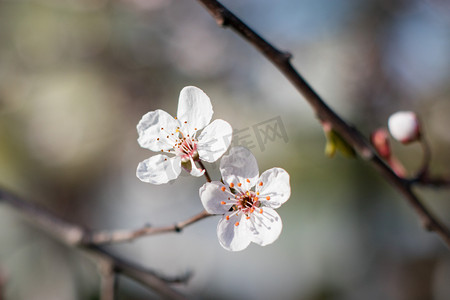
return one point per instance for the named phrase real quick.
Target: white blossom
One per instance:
(160, 132)
(248, 214)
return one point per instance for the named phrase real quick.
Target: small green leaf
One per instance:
(330, 148)
(336, 142)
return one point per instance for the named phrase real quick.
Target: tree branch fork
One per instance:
(91, 241)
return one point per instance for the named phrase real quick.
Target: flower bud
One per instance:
(380, 140)
(404, 126)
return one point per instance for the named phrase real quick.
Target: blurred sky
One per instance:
(76, 77)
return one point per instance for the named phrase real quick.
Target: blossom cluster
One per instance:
(245, 199)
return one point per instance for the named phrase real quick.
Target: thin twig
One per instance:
(118, 236)
(108, 281)
(281, 60)
(423, 171)
(436, 182)
(423, 176)
(145, 276)
(73, 235)
(208, 178)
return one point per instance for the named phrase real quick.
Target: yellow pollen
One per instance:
(256, 198)
(257, 193)
(248, 180)
(248, 218)
(239, 184)
(231, 185)
(223, 202)
(252, 209)
(268, 198)
(177, 130)
(261, 211)
(223, 189)
(260, 184)
(227, 217)
(237, 224)
(247, 193)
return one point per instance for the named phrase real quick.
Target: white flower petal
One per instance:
(214, 140)
(194, 110)
(195, 171)
(159, 169)
(266, 227)
(155, 130)
(239, 166)
(232, 237)
(275, 184)
(211, 195)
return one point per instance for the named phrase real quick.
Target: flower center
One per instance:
(186, 148)
(247, 202)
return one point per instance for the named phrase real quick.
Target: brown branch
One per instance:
(145, 276)
(108, 237)
(74, 235)
(208, 178)
(423, 176)
(423, 172)
(281, 60)
(426, 157)
(108, 281)
(431, 181)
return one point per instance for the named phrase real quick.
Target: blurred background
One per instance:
(76, 77)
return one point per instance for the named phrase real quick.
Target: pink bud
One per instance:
(380, 140)
(404, 126)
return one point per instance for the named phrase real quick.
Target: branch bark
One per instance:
(109, 237)
(108, 281)
(74, 235)
(281, 60)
